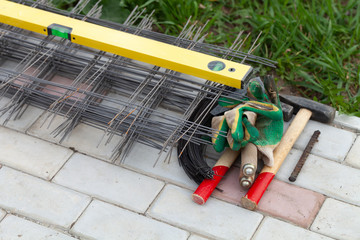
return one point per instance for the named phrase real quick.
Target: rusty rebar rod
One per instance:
(304, 156)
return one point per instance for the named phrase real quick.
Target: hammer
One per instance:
(305, 109)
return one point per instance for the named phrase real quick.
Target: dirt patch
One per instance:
(286, 88)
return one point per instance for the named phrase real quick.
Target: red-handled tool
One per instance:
(203, 192)
(253, 196)
(307, 108)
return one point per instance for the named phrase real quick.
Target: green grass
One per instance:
(316, 42)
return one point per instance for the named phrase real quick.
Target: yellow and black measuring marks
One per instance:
(124, 44)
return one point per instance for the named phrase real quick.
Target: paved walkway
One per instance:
(71, 190)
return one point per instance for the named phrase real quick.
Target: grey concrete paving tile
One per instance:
(142, 158)
(15, 228)
(40, 200)
(105, 221)
(193, 78)
(197, 237)
(338, 220)
(324, 176)
(215, 219)
(83, 138)
(289, 164)
(2, 214)
(28, 117)
(31, 155)
(163, 115)
(44, 127)
(9, 64)
(113, 100)
(351, 122)
(273, 229)
(109, 182)
(333, 143)
(353, 157)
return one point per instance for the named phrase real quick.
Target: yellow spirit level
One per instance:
(124, 44)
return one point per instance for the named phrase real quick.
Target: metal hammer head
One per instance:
(320, 112)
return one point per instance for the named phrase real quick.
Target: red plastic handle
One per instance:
(257, 190)
(205, 189)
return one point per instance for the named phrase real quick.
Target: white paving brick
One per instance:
(338, 220)
(40, 200)
(142, 158)
(193, 78)
(83, 138)
(15, 228)
(353, 157)
(289, 164)
(109, 182)
(31, 155)
(273, 229)
(114, 100)
(45, 125)
(146, 65)
(9, 64)
(163, 114)
(351, 122)
(21, 124)
(197, 237)
(324, 176)
(105, 221)
(2, 214)
(333, 143)
(216, 219)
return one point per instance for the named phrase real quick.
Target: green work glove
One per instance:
(250, 134)
(267, 114)
(266, 133)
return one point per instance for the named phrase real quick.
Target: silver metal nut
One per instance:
(249, 169)
(246, 182)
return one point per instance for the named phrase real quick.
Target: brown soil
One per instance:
(286, 88)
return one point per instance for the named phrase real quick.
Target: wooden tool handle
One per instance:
(203, 192)
(248, 165)
(205, 189)
(253, 196)
(249, 154)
